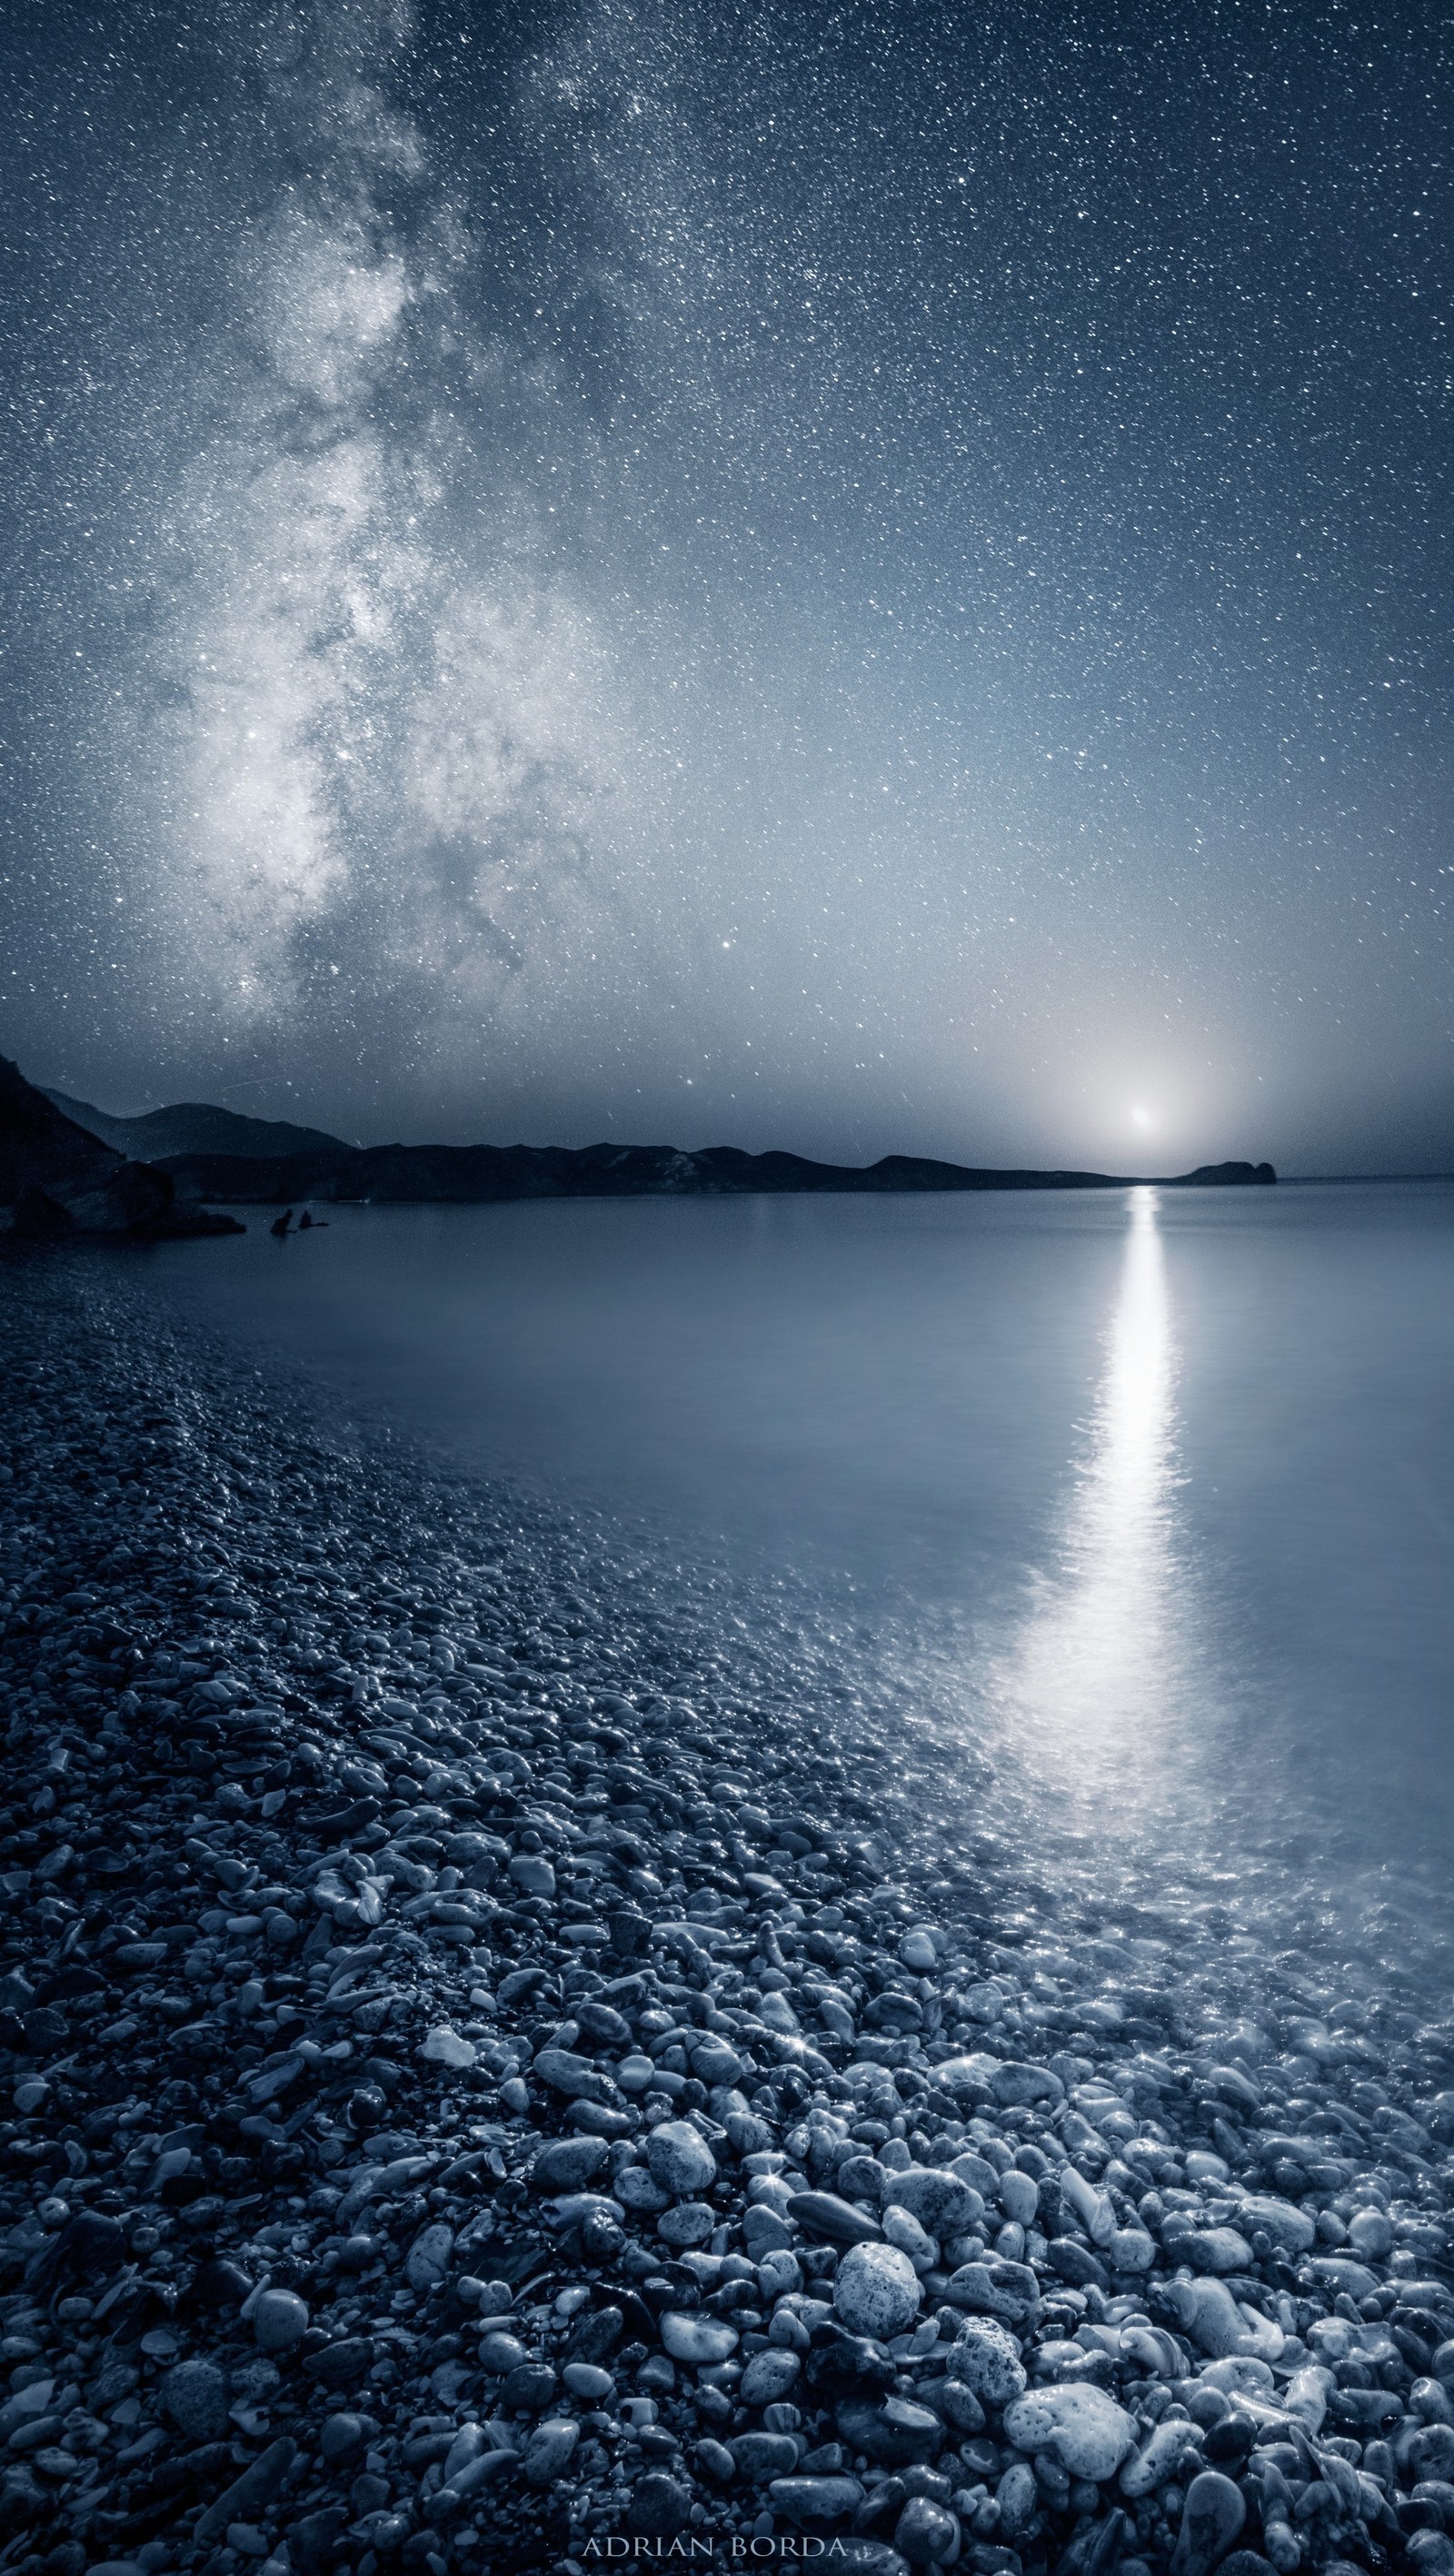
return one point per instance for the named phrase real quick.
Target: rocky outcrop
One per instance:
(57, 1179)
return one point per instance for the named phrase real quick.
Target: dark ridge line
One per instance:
(475, 1175)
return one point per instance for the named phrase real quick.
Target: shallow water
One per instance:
(1152, 1489)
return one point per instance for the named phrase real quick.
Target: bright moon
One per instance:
(1141, 1117)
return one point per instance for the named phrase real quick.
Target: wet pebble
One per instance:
(876, 2291)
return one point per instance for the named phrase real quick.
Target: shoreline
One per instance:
(442, 1838)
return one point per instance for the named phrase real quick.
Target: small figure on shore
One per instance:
(280, 1224)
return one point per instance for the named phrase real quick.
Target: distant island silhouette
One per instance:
(207, 1152)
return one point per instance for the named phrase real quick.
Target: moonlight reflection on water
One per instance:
(1107, 1674)
(1214, 1424)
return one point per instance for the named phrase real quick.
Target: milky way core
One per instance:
(863, 580)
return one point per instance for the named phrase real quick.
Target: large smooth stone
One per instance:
(1019, 2197)
(713, 2062)
(1130, 2249)
(1018, 2498)
(533, 1874)
(1081, 2427)
(1431, 2453)
(926, 2533)
(426, 2265)
(845, 2365)
(1370, 2235)
(659, 2506)
(547, 2453)
(578, 2208)
(635, 2189)
(876, 2291)
(1076, 2264)
(1306, 2395)
(901, 2228)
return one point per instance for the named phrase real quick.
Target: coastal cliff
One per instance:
(57, 1179)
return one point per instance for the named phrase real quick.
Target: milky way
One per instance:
(865, 579)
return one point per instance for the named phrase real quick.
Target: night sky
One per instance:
(857, 577)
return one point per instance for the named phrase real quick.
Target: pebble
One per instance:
(342, 2437)
(768, 2377)
(761, 2172)
(690, 2223)
(679, 2159)
(809, 2503)
(547, 2454)
(926, 2533)
(1213, 2319)
(1082, 2427)
(1019, 2197)
(698, 2339)
(659, 2507)
(876, 2291)
(942, 2204)
(1211, 2519)
(1290, 2228)
(279, 2320)
(986, 2359)
(1159, 2457)
(1009, 2291)
(583, 2379)
(761, 2456)
(567, 2163)
(426, 2265)
(194, 2394)
(443, 2046)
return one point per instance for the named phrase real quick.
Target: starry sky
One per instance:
(868, 577)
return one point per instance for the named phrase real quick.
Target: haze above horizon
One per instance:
(869, 583)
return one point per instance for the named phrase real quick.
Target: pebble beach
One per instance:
(507, 2065)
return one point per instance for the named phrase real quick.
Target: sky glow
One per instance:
(870, 582)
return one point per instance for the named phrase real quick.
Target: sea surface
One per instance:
(1147, 1495)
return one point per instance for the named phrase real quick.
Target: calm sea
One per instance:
(1151, 1488)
